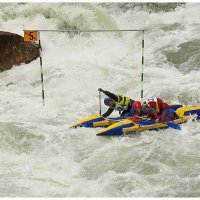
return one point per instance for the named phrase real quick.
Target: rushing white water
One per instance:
(41, 157)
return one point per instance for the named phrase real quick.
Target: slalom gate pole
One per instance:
(42, 80)
(142, 74)
(99, 103)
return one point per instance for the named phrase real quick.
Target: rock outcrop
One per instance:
(14, 51)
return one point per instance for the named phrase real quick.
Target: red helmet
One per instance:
(137, 105)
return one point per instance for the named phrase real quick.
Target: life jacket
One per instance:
(152, 102)
(123, 101)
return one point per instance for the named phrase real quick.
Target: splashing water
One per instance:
(41, 157)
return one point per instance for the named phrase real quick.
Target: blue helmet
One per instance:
(107, 100)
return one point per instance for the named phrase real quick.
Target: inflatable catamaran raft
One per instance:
(120, 126)
(99, 121)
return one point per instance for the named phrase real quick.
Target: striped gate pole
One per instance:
(99, 103)
(142, 74)
(42, 80)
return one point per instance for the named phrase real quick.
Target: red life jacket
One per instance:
(156, 103)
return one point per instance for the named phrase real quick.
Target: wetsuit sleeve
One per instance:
(163, 116)
(111, 95)
(108, 112)
(151, 112)
(165, 106)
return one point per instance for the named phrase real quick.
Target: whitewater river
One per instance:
(40, 156)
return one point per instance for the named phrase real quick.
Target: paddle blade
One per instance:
(136, 119)
(172, 125)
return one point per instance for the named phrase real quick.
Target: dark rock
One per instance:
(14, 51)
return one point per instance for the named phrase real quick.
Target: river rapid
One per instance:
(40, 156)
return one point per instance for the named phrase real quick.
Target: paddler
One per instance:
(120, 103)
(154, 108)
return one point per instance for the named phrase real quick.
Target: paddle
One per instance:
(174, 126)
(137, 118)
(99, 103)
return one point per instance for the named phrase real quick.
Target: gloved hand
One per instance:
(157, 120)
(100, 90)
